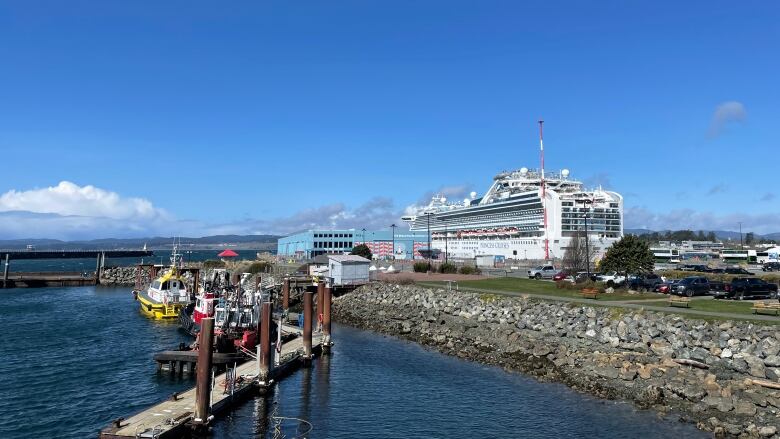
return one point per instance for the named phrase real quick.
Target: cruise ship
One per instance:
(526, 214)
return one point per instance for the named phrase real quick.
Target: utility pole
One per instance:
(392, 226)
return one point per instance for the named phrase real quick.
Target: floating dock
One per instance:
(194, 409)
(48, 279)
(171, 418)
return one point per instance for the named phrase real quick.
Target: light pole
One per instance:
(587, 239)
(392, 226)
(430, 252)
(446, 247)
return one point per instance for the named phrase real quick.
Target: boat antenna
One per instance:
(544, 203)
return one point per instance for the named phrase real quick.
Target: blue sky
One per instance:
(267, 117)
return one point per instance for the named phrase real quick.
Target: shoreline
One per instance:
(612, 354)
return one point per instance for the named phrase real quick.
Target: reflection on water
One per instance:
(89, 352)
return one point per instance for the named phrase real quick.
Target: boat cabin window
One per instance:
(156, 285)
(174, 284)
(164, 285)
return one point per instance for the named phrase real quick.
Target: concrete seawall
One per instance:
(717, 374)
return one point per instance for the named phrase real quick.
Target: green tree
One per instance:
(711, 237)
(628, 256)
(362, 250)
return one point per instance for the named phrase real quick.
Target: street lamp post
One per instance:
(392, 226)
(587, 239)
(446, 247)
(430, 252)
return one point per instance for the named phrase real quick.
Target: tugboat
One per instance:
(191, 315)
(167, 295)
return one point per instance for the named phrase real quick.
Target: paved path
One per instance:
(622, 304)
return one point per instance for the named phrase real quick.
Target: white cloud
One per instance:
(639, 217)
(726, 113)
(71, 199)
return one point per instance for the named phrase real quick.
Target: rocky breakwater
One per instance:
(118, 276)
(719, 375)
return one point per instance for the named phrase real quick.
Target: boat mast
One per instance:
(544, 202)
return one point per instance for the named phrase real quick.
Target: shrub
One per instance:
(362, 250)
(213, 263)
(258, 267)
(421, 267)
(467, 269)
(448, 268)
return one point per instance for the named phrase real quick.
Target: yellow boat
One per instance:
(165, 297)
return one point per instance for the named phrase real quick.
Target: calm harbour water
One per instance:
(88, 265)
(76, 358)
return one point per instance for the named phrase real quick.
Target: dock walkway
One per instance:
(169, 418)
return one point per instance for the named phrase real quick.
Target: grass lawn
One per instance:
(731, 306)
(530, 286)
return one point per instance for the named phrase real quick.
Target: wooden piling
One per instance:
(97, 271)
(307, 317)
(5, 271)
(203, 380)
(326, 302)
(264, 357)
(320, 299)
(286, 294)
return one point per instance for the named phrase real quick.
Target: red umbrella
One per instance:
(228, 254)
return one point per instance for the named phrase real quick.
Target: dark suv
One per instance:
(644, 282)
(691, 286)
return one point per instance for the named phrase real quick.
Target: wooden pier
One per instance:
(190, 411)
(171, 418)
(59, 279)
(48, 279)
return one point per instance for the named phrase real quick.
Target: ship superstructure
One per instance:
(509, 219)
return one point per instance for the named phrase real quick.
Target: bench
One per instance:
(682, 302)
(766, 308)
(590, 293)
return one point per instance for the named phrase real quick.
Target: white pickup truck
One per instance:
(611, 278)
(542, 272)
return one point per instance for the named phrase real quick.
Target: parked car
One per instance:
(771, 266)
(665, 287)
(612, 278)
(561, 275)
(542, 272)
(691, 286)
(749, 288)
(738, 270)
(694, 267)
(644, 282)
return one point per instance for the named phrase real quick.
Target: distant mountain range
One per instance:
(254, 242)
(720, 234)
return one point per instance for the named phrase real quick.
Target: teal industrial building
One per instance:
(384, 244)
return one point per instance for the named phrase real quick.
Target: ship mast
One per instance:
(544, 202)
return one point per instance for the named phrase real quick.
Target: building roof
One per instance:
(228, 254)
(349, 259)
(320, 260)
